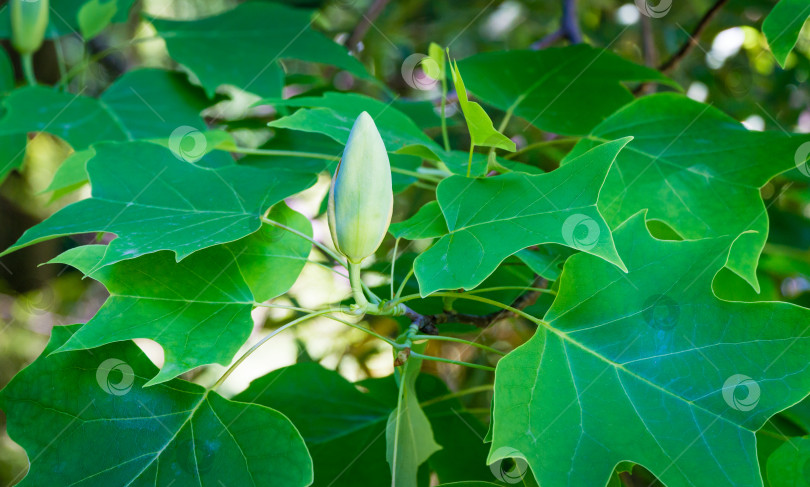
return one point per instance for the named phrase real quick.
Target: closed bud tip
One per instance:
(29, 19)
(361, 199)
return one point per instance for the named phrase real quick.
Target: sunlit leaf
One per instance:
(695, 169)
(649, 367)
(783, 25)
(490, 219)
(198, 310)
(152, 200)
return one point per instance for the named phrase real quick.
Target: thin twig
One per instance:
(364, 25)
(428, 324)
(569, 28)
(694, 37)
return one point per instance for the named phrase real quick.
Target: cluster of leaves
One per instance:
(646, 362)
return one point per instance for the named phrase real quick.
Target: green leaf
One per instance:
(152, 103)
(85, 418)
(12, 152)
(436, 54)
(566, 90)
(408, 435)
(344, 424)
(198, 310)
(295, 141)
(77, 119)
(421, 112)
(217, 49)
(142, 104)
(6, 73)
(343, 427)
(335, 113)
(783, 25)
(695, 169)
(649, 367)
(492, 218)
(272, 258)
(789, 465)
(64, 17)
(460, 433)
(470, 484)
(71, 173)
(145, 103)
(546, 260)
(186, 142)
(94, 16)
(482, 132)
(457, 162)
(154, 201)
(428, 222)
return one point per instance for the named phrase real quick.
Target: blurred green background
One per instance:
(730, 68)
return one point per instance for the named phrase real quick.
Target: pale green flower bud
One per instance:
(361, 199)
(29, 19)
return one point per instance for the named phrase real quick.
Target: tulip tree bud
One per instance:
(29, 19)
(361, 199)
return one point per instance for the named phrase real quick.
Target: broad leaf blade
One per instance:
(694, 168)
(215, 48)
(789, 465)
(344, 424)
(652, 368)
(783, 25)
(334, 114)
(198, 310)
(141, 104)
(566, 90)
(154, 201)
(492, 218)
(428, 222)
(272, 258)
(343, 427)
(85, 418)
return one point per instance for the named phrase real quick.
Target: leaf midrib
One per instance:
(619, 367)
(193, 411)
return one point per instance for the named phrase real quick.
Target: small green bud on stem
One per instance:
(361, 199)
(29, 19)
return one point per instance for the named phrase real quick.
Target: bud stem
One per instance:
(357, 285)
(27, 61)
